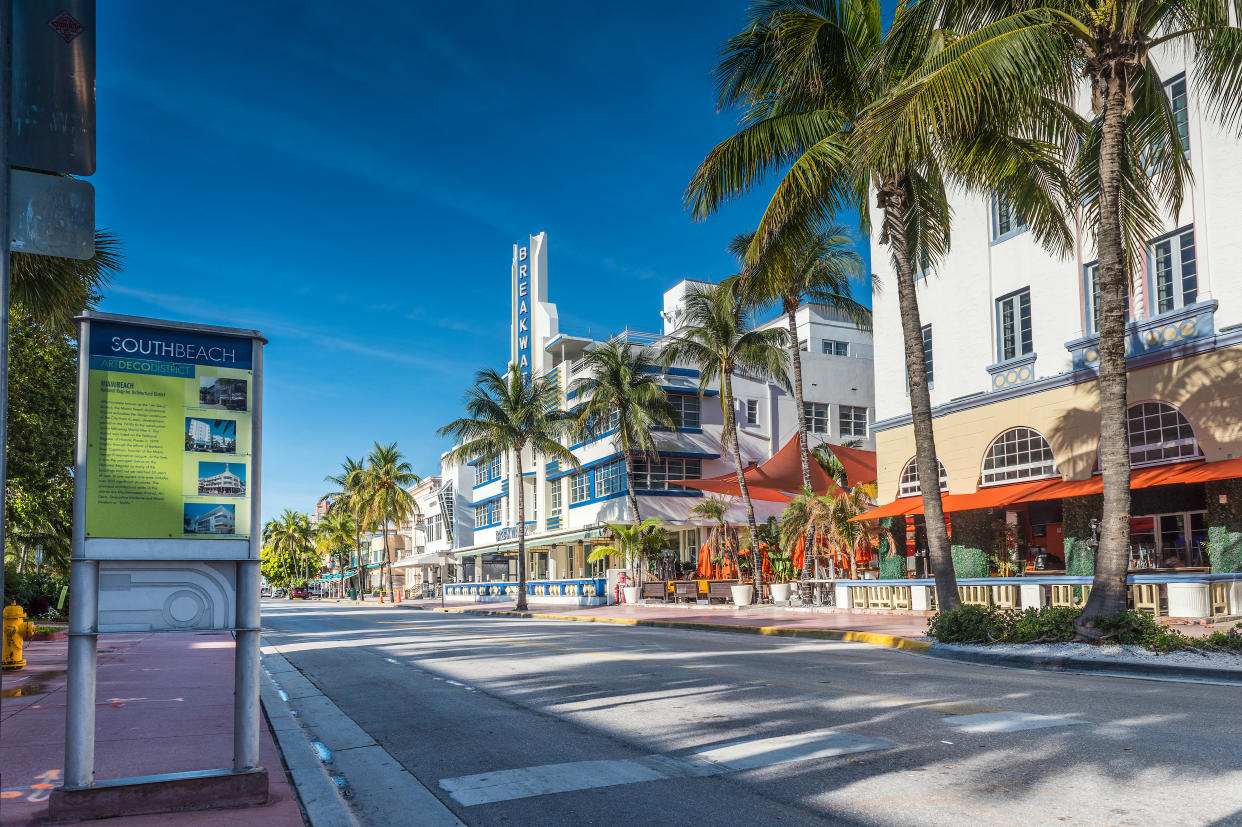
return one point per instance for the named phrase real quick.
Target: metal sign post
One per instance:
(166, 530)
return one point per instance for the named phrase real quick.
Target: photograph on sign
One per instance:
(168, 434)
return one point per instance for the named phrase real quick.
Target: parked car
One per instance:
(278, 593)
(299, 593)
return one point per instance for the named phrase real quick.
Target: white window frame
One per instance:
(1023, 343)
(1017, 223)
(834, 347)
(655, 476)
(1025, 454)
(908, 483)
(816, 417)
(1183, 122)
(1181, 283)
(610, 479)
(579, 487)
(487, 470)
(1175, 435)
(752, 411)
(555, 497)
(689, 408)
(852, 420)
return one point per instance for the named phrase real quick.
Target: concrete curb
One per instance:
(1086, 666)
(872, 638)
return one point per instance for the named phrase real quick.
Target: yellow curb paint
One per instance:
(872, 638)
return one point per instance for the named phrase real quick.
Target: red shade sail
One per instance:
(859, 464)
(773, 481)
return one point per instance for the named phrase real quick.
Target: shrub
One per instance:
(980, 624)
(970, 624)
(1228, 641)
(1047, 625)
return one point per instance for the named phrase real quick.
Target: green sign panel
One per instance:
(168, 433)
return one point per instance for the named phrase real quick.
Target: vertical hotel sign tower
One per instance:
(534, 320)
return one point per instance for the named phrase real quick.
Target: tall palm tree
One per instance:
(382, 490)
(347, 498)
(622, 382)
(334, 534)
(793, 268)
(54, 290)
(289, 537)
(828, 519)
(717, 338)
(810, 76)
(1132, 164)
(506, 414)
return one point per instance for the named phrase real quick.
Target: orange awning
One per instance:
(989, 497)
(772, 481)
(1180, 473)
(898, 507)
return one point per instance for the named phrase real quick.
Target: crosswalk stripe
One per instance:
(1009, 721)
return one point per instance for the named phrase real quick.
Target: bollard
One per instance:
(16, 629)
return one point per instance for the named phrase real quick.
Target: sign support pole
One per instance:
(246, 714)
(6, 128)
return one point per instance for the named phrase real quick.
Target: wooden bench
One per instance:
(685, 590)
(721, 590)
(656, 590)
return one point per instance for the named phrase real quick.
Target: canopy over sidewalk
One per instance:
(1180, 473)
(773, 481)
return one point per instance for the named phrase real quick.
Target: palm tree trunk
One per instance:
(392, 589)
(804, 451)
(892, 198)
(521, 527)
(633, 498)
(358, 549)
(1108, 587)
(756, 559)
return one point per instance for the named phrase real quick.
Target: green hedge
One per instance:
(969, 562)
(36, 592)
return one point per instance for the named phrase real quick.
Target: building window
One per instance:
(834, 348)
(1091, 274)
(804, 345)
(927, 353)
(596, 429)
(487, 470)
(655, 476)
(610, 479)
(1174, 271)
(488, 514)
(816, 417)
(752, 412)
(1159, 433)
(554, 498)
(1176, 90)
(852, 419)
(909, 486)
(1018, 454)
(580, 487)
(688, 408)
(1013, 324)
(1005, 221)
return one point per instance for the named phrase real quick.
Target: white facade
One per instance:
(563, 505)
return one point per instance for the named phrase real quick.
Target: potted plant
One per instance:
(782, 574)
(629, 543)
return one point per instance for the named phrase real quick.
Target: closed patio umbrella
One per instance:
(704, 569)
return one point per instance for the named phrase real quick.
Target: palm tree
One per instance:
(1131, 164)
(717, 338)
(829, 519)
(347, 498)
(813, 77)
(54, 290)
(797, 267)
(715, 509)
(622, 382)
(630, 543)
(334, 534)
(506, 415)
(384, 498)
(289, 538)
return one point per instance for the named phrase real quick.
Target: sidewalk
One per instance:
(164, 704)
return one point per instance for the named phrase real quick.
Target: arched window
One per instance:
(909, 484)
(1159, 433)
(1018, 454)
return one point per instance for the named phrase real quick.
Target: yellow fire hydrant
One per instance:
(16, 630)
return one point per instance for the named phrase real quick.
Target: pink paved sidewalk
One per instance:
(821, 618)
(164, 704)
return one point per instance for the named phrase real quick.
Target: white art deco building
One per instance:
(567, 509)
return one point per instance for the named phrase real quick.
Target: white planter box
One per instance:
(1031, 595)
(742, 595)
(631, 593)
(1189, 600)
(844, 600)
(920, 598)
(780, 592)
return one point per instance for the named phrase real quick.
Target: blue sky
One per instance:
(349, 179)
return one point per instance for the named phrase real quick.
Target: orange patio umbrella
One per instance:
(704, 569)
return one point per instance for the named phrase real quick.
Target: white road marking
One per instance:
(506, 785)
(802, 746)
(1009, 721)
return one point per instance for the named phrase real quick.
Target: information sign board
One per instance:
(168, 431)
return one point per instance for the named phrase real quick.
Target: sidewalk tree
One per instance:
(824, 97)
(506, 414)
(795, 267)
(346, 498)
(382, 489)
(1131, 166)
(719, 536)
(717, 338)
(623, 383)
(335, 534)
(289, 546)
(632, 543)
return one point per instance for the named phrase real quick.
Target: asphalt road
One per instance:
(532, 722)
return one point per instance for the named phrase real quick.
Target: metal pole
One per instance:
(248, 620)
(6, 121)
(80, 691)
